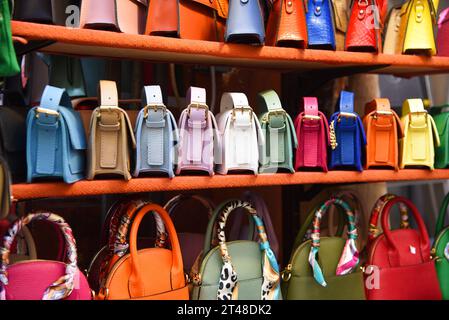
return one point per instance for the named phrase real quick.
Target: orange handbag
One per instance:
(188, 19)
(147, 274)
(382, 127)
(287, 24)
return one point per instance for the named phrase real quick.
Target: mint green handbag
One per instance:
(8, 60)
(235, 270)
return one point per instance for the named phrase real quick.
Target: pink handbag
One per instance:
(443, 33)
(42, 279)
(312, 131)
(128, 16)
(198, 134)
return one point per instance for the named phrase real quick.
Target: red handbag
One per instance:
(312, 131)
(399, 266)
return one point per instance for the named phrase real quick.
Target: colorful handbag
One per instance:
(67, 72)
(440, 250)
(278, 132)
(420, 135)
(127, 16)
(382, 128)
(287, 24)
(173, 18)
(8, 60)
(43, 11)
(56, 144)
(147, 274)
(56, 281)
(240, 134)
(336, 274)
(5, 189)
(442, 151)
(347, 136)
(391, 39)
(156, 133)
(363, 32)
(443, 33)
(191, 241)
(111, 136)
(320, 25)
(312, 131)
(399, 264)
(23, 248)
(236, 270)
(245, 23)
(198, 134)
(416, 32)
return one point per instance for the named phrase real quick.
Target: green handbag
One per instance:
(325, 268)
(440, 249)
(67, 73)
(279, 131)
(442, 152)
(241, 269)
(8, 60)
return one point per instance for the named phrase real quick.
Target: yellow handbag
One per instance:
(418, 18)
(420, 135)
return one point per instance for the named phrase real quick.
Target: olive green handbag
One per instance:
(440, 249)
(8, 60)
(442, 152)
(241, 269)
(325, 268)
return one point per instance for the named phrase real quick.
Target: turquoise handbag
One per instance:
(56, 141)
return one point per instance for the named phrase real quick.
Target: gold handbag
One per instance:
(110, 137)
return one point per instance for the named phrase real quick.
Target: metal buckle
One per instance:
(48, 112)
(242, 110)
(278, 112)
(286, 274)
(105, 109)
(311, 117)
(198, 106)
(383, 113)
(155, 108)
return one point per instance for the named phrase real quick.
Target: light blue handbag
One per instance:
(156, 135)
(245, 23)
(56, 142)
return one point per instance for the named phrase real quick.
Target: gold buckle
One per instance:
(198, 106)
(347, 114)
(48, 112)
(311, 117)
(286, 274)
(155, 108)
(242, 110)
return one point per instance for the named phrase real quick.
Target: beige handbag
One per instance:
(110, 136)
(391, 42)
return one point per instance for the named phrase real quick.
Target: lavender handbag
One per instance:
(156, 135)
(245, 23)
(198, 134)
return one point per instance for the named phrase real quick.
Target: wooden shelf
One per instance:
(69, 41)
(98, 187)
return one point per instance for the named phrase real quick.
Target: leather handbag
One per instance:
(320, 25)
(56, 143)
(156, 134)
(420, 135)
(391, 39)
(43, 11)
(111, 136)
(127, 16)
(8, 60)
(236, 270)
(199, 138)
(23, 248)
(5, 189)
(245, 23)
(312, 131)
(440, 250)
(287, 24)
(347, 136)
(382, 128)
(363, 32)
(416, 33)
(191, 241)
(336, 274)
(240, 134)
(147, 274)
(442, 151)
(401, 261)
(279, 135)
(67, 72)
(173, 18)
(443, 33)
(56, 280)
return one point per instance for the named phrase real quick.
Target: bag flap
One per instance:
(12, 128)
(444, 17)
(75, 128)
(221, 6)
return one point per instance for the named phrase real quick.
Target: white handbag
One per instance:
(240, 134)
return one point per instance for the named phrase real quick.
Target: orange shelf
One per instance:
(70, 41)
(98, 187)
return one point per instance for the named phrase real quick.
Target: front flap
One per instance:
(221, 6)
(75, 128)
(13, 128)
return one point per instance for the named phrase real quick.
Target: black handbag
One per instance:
(43, 11)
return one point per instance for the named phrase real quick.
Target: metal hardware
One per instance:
(242, 110)
(198, 106)
(287, 273)
(47, 112)
(333, 136)
(278, 112)
(311, 117)
(155, 108)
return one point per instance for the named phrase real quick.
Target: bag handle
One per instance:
(393, 253)
(350, 255)
(441, 216)
(136, 283)
(61, 288)
(173, 203)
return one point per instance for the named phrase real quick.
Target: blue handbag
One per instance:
(320, 25)
(347, 135)
(56, 142)
(156, 135)
(245, 23)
